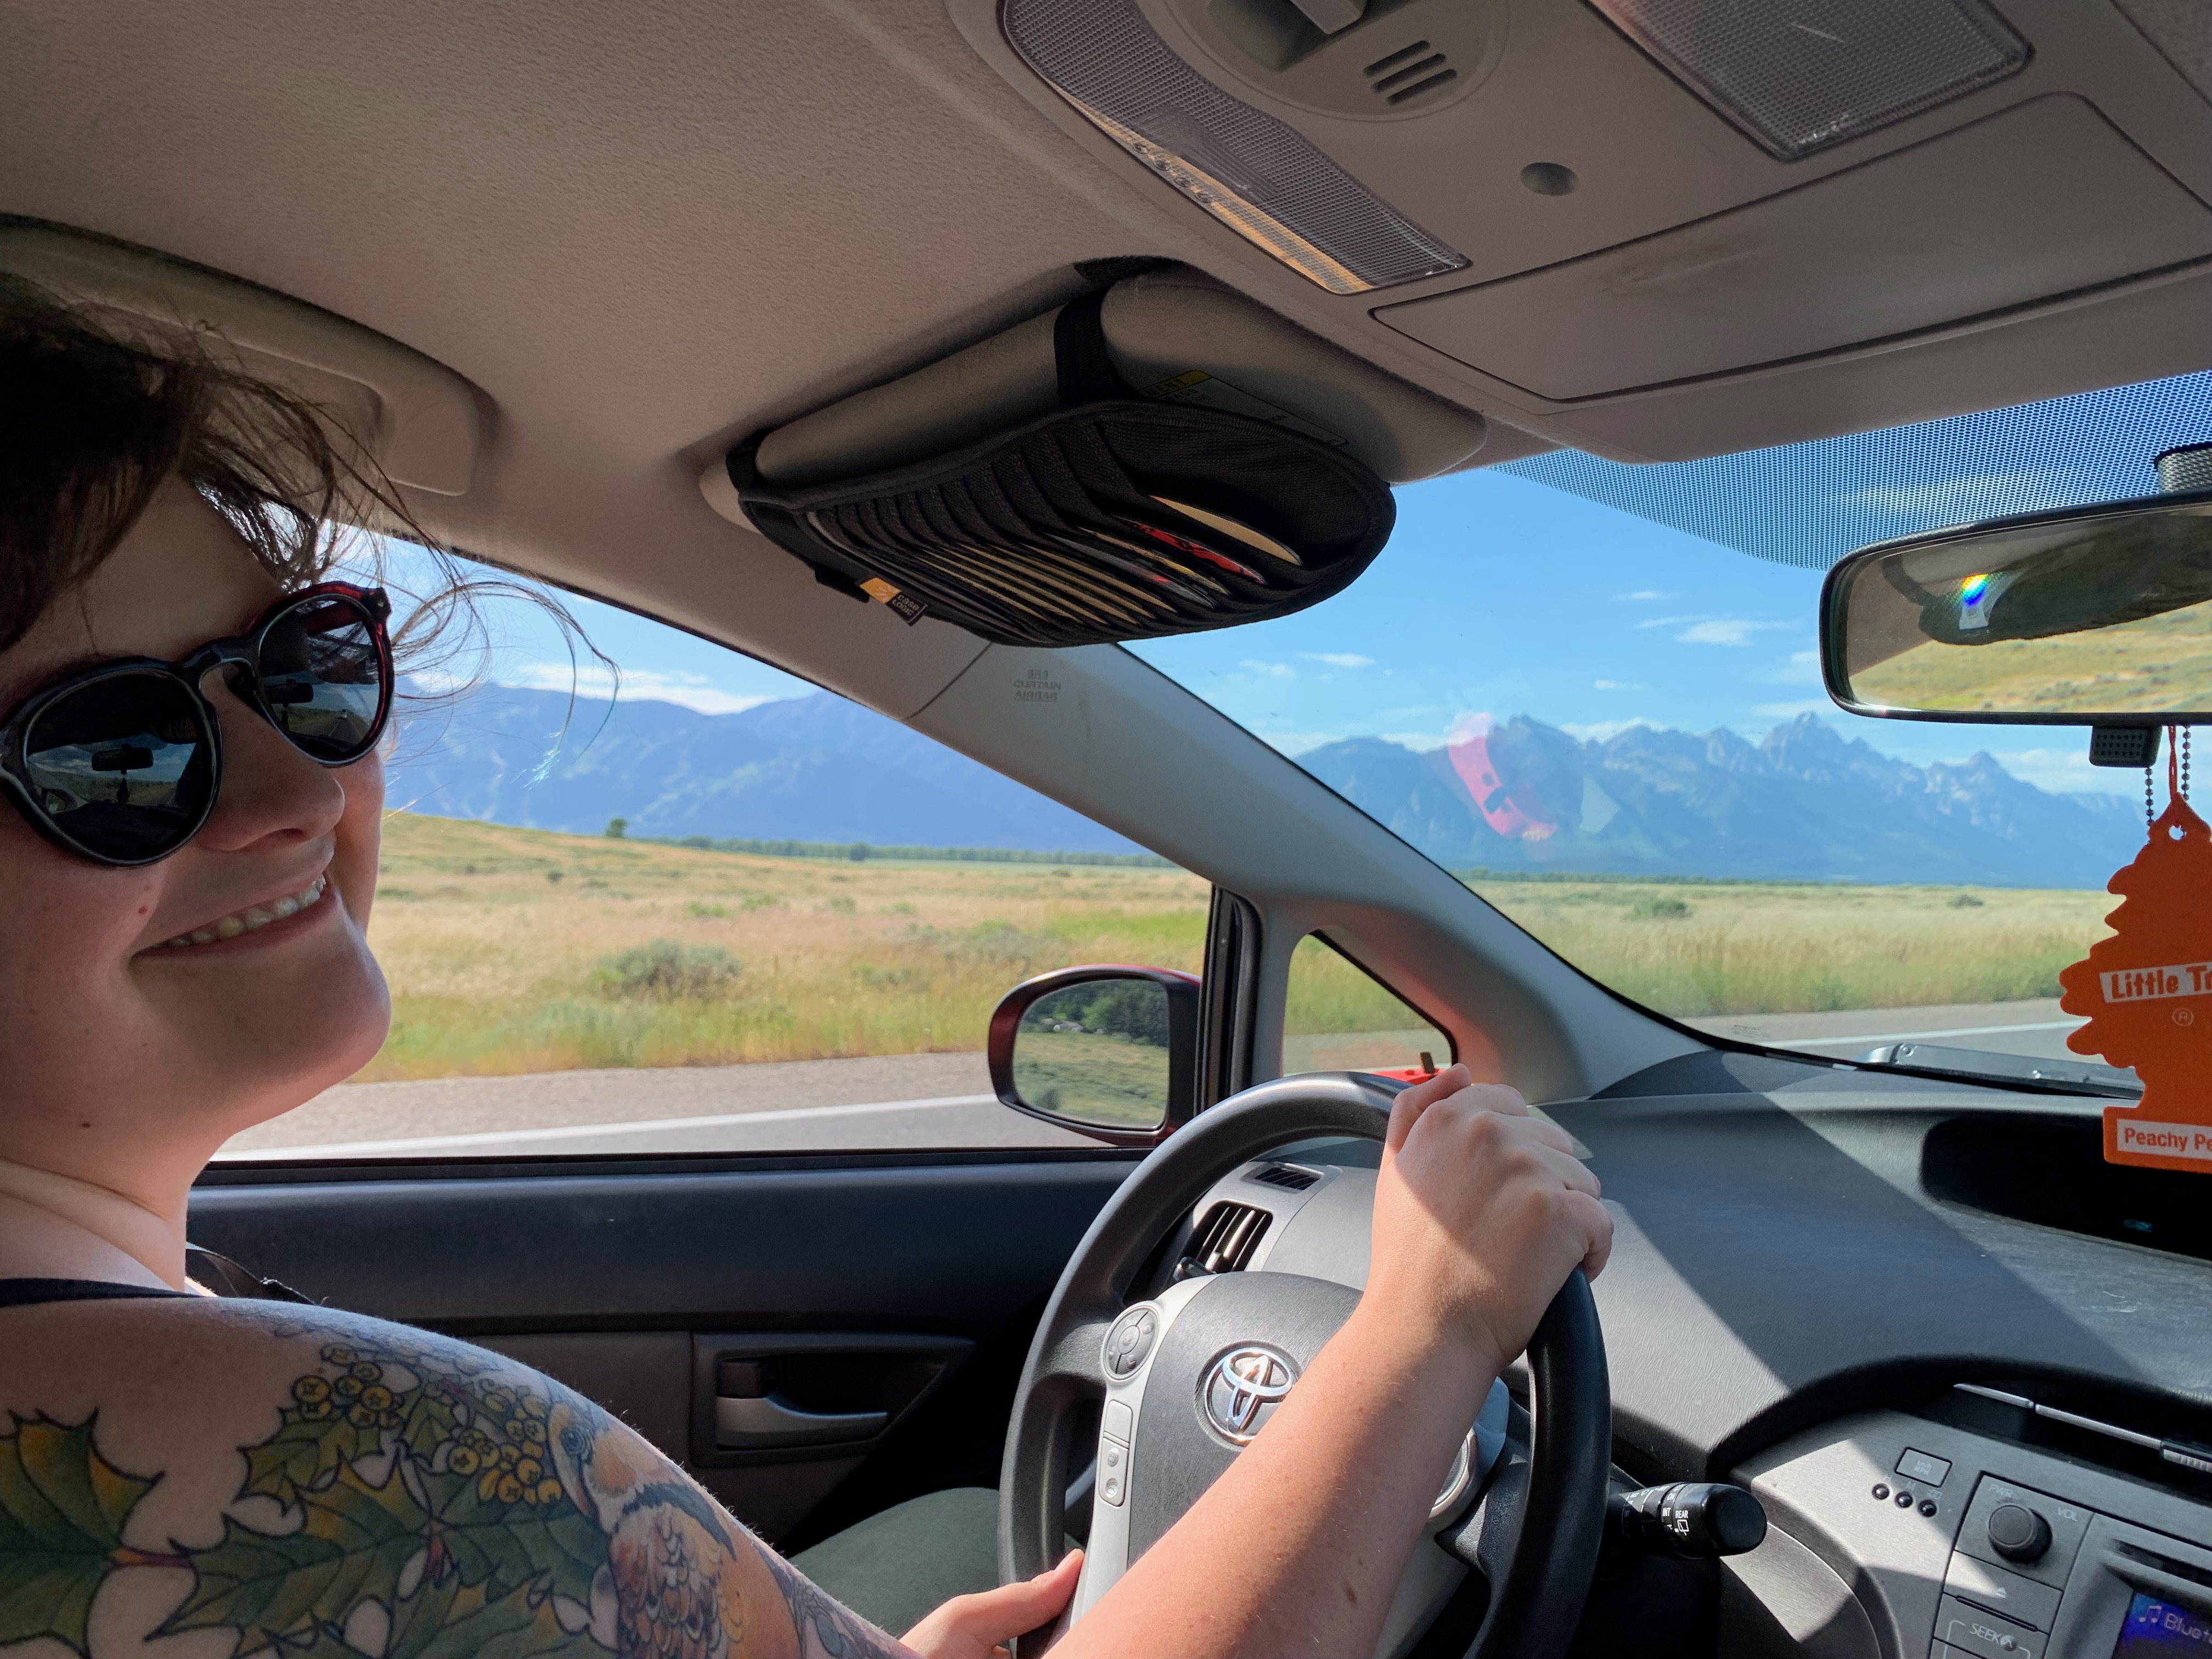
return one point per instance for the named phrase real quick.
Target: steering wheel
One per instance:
(1182, 1368)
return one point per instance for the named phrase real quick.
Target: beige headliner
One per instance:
(640, 230)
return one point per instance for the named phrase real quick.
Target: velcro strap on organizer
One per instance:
(1111, 518)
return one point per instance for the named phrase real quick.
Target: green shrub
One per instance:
(1658, 910)
(663, 970)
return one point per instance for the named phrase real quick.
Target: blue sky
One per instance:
(1496, 595)
(1503, 596)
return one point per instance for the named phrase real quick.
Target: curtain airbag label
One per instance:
(1195, 386)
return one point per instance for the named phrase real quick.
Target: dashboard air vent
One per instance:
(1408, 73)
(1284, 1174)
(1224, 1242)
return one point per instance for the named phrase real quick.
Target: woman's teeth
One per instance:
(246, 920)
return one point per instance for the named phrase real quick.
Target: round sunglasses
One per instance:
(121, 763)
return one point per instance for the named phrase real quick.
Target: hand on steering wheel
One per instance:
(1283, 1541)
(1480, 1211)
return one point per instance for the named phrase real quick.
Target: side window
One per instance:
(1339, 1017)
(717, 910)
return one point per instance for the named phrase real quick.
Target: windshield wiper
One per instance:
(2084, 1076)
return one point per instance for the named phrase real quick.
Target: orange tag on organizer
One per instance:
(2147, 993)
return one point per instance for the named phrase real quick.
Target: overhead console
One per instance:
(1591, 220)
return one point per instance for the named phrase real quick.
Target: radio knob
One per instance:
(2018, 1533)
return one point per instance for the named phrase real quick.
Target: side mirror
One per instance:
(1109, 1052)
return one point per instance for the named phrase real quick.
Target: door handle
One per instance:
(755, 1423)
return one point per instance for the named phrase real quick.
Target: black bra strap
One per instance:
(1087, 375)
(34, 1292)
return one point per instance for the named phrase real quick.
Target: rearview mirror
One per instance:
(2089, 617)
(1109, 1052)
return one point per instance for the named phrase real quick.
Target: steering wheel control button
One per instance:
(1129, 1341)
(2018, 1533)
(1970, 1630)
(2019, 1599)
(1924, 1468)
(1112, 1470)
(1118, 1422)
(1241, 1388)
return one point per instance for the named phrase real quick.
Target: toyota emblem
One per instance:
(1241, 1389)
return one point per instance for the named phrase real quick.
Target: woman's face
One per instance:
(129, 1058)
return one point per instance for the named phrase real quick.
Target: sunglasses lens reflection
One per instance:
(322, 677)
(122, 766)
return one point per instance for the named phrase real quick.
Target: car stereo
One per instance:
(2032, 1574)
(1904, 1535)
(2156, 1630)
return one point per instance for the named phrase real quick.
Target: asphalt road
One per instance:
(891, 1102)
(2009, 1028)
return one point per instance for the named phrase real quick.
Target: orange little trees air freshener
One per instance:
(2147, 992)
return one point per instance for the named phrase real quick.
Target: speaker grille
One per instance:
(1258, 177)
(1802, 75)
(1410, 73)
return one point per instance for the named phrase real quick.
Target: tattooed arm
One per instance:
(243, 1478)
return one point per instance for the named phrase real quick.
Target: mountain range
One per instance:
(1807, 803)
(800, 768)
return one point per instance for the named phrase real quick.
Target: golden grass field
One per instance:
(502, 947)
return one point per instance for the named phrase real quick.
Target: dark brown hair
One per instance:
(95, 419)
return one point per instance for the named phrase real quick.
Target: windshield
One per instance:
(1592, 692)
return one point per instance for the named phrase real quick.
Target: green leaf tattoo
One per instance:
(355, 1544)
(426, 1505)
(63, 1507)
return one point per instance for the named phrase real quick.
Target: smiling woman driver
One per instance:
(190, 721)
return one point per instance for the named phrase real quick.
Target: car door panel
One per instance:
(788, 1329)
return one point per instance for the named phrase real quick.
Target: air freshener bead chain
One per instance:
(2185, 762)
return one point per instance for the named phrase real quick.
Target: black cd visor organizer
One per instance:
(1109, 518)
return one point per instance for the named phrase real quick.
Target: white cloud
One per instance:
(1419, 742)
(693, 691)
(1644, 596)
(1339, 658)
(1617, 685)
(1273, 671)
(2066, 769)
(1667, 622)
(1605, 731)
(1725, 630)
(1798, 668)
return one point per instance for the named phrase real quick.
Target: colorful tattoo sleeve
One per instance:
(434, 1504)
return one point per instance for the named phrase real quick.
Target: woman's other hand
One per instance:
(1480, 1213)
(976, 1626)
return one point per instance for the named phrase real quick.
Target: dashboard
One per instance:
(1966, 1367)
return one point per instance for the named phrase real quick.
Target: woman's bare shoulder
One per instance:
(229, 1477)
